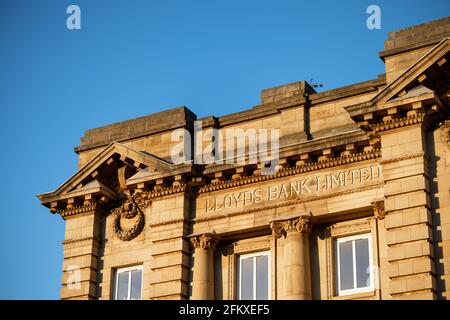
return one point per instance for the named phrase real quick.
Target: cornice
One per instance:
(70, 211)
(284, 172)
(399, 122)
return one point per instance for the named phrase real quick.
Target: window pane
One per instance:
(247, 279)
(122, 286)
(362, 263)
(136, 282)
(262, 277)
(346, 265)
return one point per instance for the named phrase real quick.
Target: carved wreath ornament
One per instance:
(133, 206)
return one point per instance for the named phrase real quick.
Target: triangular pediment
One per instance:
(428, 76)
(415, 75)
(100, 173)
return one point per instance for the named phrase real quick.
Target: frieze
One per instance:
(285, 204)
(302, 187)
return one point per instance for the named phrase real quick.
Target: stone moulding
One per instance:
(406, 157)
(77, 210)
(72, 241)
(168, 222)
(399, 122)
(284, 172)
(334, 231)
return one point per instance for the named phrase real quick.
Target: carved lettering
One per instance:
(304, 186)
(283, 191)
(364, 174)
(273, 190)
(258, 197)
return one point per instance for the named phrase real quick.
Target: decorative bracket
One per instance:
(378, 209)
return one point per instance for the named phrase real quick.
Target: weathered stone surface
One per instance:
(368, 159)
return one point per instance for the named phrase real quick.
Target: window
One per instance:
(128, 283)
(354, 261)
(254, 276)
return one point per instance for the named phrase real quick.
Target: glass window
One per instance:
(254, 276)
(129, 283)
(353, 261)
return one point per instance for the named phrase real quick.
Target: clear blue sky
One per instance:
(132, 58)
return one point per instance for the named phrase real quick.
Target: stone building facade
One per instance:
(358, 206)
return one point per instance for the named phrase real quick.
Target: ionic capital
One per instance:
(281, 227)
(205, 241)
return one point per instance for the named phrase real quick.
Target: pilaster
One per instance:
(81, 251)
(170, 251)
(407, 221)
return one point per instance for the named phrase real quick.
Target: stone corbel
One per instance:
(378, 209)
(280, 227)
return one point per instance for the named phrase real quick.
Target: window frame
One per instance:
(253, 255)
(127, 269)
(354, 290)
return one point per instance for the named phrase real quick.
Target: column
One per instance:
(294, 232)
(203, 267)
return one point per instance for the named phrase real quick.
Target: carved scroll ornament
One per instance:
(205, 241)
(378, 209)
(301, 224)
